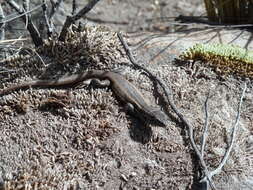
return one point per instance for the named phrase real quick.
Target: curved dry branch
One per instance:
(170, 100)
(232, 139)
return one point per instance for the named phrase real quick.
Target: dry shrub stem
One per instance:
(208, 175)
(71, 19)
(55, 7)
(232, 139)
(20, 15)
(2, 31)
(73, 7)
(2, 24)
(47, 20)
(26, 5)
(168, 94)
(35, 35)
(205, 132)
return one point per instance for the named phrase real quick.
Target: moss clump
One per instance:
(228, 58)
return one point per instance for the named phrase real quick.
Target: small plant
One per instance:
(228, 58)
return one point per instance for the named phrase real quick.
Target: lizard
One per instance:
(122, 88)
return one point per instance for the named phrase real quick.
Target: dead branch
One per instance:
(2, 31)
(48, 22)
(20, 15)
(73, 7)
(71, 19)
(55, 7)
(205, 132)
(2, 24)
(35, 35)
(172, 105)
(26, 5)
(232, 139)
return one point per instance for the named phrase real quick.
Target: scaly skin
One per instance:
(127, 92)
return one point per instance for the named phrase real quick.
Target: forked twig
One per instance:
(173, 106)
(55, 7)
(71, 19)
(232, 139)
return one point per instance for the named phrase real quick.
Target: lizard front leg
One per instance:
(100, 83)
(94, 82)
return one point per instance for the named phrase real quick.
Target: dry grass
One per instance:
(229, 11)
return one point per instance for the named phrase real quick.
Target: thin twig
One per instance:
(205, 132)
(2, 23)
(2, 31)
(13, 40)
(232, 139)
(26, 4)
(48, 23)
(20, 15)
(15, 6)
(35, 35)
(55, 7)
(11, 44)
(26, 7)
(27, 49)
(73, 7)
(71, 19)
(173, 106)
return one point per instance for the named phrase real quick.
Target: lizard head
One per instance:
(159, 117)
(155, 115)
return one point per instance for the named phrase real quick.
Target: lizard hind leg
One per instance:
(131, 110)
(161, 117)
